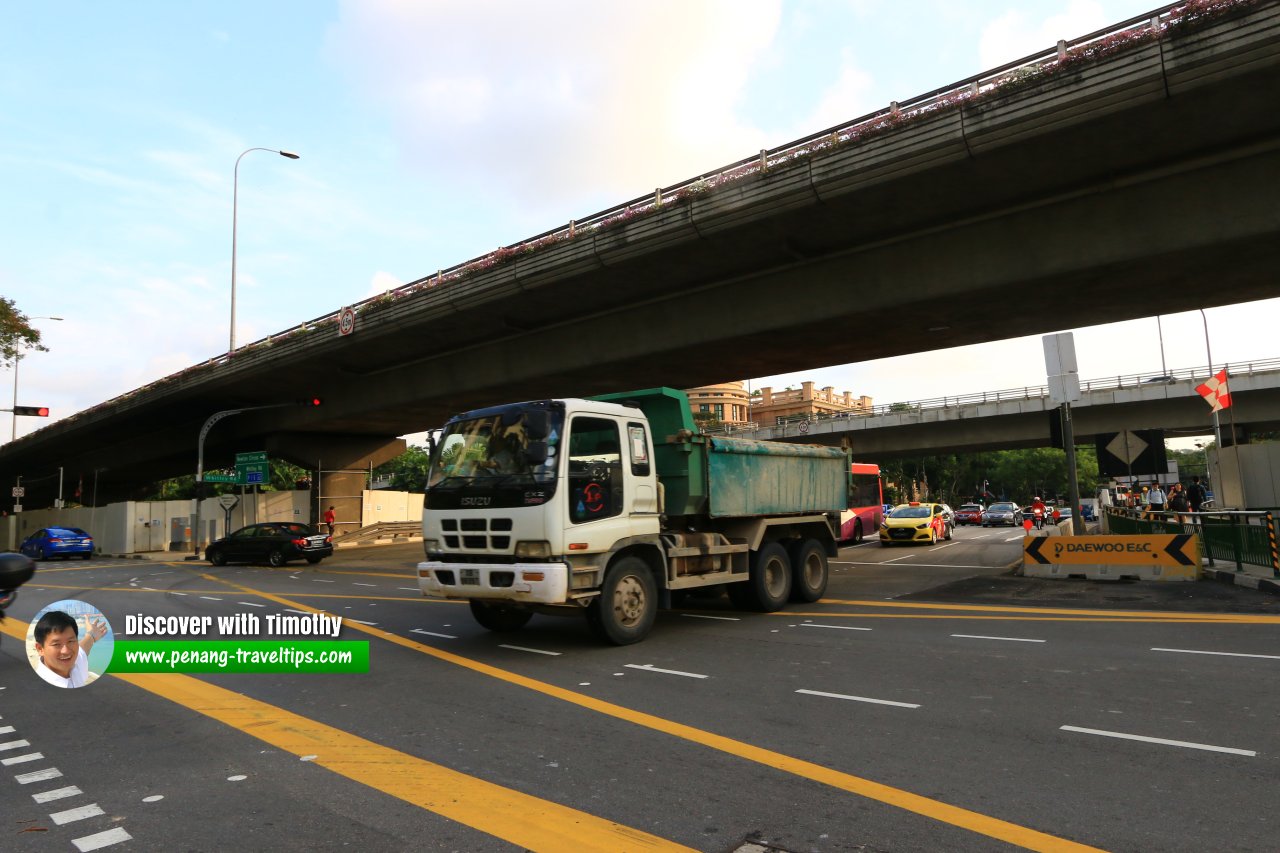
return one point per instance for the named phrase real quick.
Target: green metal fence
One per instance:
(1230, 537)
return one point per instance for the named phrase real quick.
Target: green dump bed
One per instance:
(727, 477)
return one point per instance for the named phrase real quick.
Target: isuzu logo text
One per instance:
(476, 501)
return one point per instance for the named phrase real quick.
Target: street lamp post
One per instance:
(1217, 430)
(17, 358)
(235, 202)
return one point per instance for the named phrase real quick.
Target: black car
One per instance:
(277, 542)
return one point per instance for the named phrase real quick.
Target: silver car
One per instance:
(1000, 514)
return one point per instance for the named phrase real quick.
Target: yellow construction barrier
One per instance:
(1166, 557)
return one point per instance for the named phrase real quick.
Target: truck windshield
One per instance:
(513, 446)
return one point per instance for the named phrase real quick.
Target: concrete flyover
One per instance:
(1137, 174)
(1021, 418)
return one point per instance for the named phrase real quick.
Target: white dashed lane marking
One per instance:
(73, 815)
(839, 627)
(526, 649)
(1009, 639)
(858, 699)
(85, 843)
(1162, 741)
(57, 794)
(432, 634)
(1193, 652)
(101, 839)
(651, 668)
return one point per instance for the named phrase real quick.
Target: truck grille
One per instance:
(473, 534)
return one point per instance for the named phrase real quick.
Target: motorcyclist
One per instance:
(1038, 510)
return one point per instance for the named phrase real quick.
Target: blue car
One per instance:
(65, 542)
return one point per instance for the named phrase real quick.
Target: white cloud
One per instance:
(1016, 34)
(547, 100)
(849, 96)
(382, 282)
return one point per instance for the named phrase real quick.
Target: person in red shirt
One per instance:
(1038, 510)
(329, 519)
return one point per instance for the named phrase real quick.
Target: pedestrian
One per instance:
(1195, 494)
(1178, 501)
(1156, 498)
(329, 519)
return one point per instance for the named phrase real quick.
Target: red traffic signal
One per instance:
(310, 402)
(32, 411)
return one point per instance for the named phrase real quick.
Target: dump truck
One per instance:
(609, 507)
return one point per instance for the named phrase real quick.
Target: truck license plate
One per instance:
(471, 577)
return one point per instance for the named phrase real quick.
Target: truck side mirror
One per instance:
(535, 453)
(536, 423)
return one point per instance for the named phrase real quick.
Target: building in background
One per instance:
(726, 403)
(731, 405)
(769, 406)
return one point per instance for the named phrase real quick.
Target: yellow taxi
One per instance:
(917, 522)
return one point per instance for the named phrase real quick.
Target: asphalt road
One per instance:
(932, 701)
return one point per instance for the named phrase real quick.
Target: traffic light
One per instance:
(310, 402)
(33, 411)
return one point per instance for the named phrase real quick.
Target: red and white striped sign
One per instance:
(1215, 392)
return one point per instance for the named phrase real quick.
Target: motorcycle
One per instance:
(15, 570)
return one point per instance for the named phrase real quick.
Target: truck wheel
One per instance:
(627, 605)
(499, 618)
(769, 585)
(809, 571)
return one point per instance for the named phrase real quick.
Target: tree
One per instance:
(409, 470)
(707, 421)
(16, 333)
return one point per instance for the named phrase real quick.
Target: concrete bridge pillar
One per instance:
(342, 464)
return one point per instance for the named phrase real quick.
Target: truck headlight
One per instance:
(533, 548)
(430, 547)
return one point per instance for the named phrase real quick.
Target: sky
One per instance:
(432, 132)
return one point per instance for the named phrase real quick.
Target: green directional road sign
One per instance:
(251, 473)
(251, 458)
(221, 477)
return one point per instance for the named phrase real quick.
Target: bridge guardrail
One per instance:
(1132, 380)
(1228, 535)
(1100, 43)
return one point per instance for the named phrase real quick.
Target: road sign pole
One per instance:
(204, 431)
(1073, 483)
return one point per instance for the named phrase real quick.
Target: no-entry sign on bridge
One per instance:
(1171, 550)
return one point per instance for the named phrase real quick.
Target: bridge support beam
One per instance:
(342, 464)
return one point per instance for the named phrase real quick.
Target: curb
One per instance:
(1242, 579)
(397, 540)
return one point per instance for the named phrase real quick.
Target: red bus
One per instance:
(866, 502)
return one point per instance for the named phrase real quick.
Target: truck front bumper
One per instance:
(537, 583)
